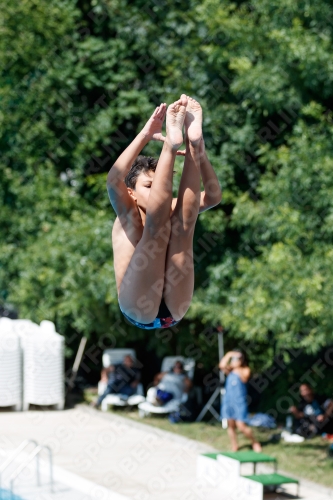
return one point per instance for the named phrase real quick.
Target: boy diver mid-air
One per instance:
(152, 235)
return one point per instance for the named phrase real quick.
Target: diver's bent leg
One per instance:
(160, 196)
(141, 289)
(188, 201)
(179, 270)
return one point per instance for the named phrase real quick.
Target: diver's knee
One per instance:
(143, 309)
(179, 311)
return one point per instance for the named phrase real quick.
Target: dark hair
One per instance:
(243, 356)
(141, 164)
(306, 384)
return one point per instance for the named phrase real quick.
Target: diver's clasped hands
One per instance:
(153, 128)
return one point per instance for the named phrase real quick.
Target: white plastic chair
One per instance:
(115, 357)
(10, 366)
(43, 364)
(32, 363)
(146, 407)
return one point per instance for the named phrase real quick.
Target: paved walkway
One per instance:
(132, 459)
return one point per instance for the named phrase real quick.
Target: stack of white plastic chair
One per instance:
(10, 366)
(43, 364)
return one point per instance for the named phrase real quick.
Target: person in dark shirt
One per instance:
(314, 414)
(121, 379)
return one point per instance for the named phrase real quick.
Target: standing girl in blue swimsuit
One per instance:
(234, 405)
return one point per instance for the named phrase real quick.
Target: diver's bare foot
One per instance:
(193, 121)
(175, 117)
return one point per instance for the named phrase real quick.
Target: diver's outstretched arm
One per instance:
(118, 194)
(212, 193)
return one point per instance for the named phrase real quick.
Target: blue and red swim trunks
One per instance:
(163, 319)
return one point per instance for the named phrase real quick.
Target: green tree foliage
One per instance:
(78, 79)
(277, 278)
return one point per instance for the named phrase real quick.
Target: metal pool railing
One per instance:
(14, 455)
(26, 462)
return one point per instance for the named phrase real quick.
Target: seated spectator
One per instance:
(169, 385)
(314, 414)
(121, 379)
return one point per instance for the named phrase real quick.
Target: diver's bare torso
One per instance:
(126, 234)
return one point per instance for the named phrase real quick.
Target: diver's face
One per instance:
(142, 189)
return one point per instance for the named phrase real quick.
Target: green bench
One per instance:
(216, 467)
(271, 480)
(250, 456)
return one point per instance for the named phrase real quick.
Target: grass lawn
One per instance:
(308, 459)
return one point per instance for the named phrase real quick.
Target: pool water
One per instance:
(6, 495)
